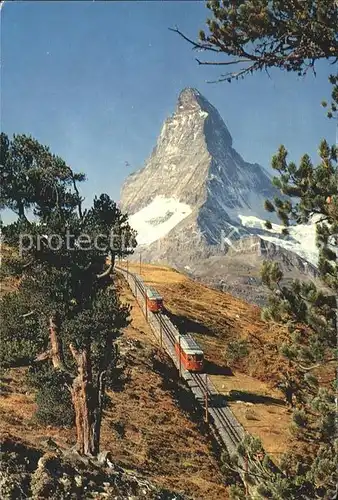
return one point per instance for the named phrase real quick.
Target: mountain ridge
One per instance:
(196, 196)
(192, 154)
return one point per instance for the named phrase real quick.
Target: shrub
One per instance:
(14, 352)
(236, 350)
(250, 414)
(53, 399)
(228, 468)
(237, 492)
(300, 418)
(20, 337)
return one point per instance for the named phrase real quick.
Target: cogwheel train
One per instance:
(154, 300)
(187, 350)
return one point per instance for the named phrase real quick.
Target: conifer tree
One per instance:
(259, 35)
(65, 311)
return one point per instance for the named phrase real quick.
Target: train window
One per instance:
(199, 357)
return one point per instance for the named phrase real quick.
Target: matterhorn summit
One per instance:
(195, 189)
(194, 163)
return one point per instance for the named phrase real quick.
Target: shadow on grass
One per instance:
(187, 325)
(5, 391)
(250, 397)
(212, 368)
(221, 400)
(170, 382)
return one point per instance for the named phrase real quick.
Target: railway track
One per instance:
(222, 418)
(203, 383)
(221, 413)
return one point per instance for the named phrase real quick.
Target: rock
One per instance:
(78, 480)
(60, 477)
(50, 443)
(103, 456)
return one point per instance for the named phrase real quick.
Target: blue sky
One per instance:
(95, 80)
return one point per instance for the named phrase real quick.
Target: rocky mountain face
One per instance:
(238, 271)
(196, 197)
(194, 163)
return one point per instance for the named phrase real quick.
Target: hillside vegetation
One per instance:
(148, 428)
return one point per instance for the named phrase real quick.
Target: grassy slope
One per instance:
(215, 318)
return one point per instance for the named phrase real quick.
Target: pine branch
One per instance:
(318, 365)
(79, 199)
(28, 314)
(196, 45)
(220, 63)
(109, 268)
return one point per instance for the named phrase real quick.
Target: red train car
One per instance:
(154, 300)
(192, 356)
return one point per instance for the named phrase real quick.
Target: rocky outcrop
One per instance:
(31, 473)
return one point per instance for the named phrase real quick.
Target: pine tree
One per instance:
(257, 35)
(65, 310)
(310, 313)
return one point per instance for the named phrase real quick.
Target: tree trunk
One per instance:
(87, 400)
(84, 404)
(100, 392)
(56, 346)
(96, 430)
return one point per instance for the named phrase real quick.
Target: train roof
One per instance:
(188, 344)
(152, 293)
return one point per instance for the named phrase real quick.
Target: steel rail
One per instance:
(224, 419)
(220, 413)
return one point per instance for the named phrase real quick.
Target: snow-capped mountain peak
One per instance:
(196, 183)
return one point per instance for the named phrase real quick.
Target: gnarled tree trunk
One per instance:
(87, 400)
(56, 352)
(84, 403)
(100, 392)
